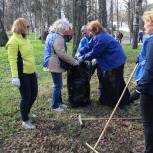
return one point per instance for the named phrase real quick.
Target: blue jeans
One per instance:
(57, 87)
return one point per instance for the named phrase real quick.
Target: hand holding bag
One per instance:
(63, 64)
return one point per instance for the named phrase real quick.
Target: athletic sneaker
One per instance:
(59, 109)
(63, 106)
(28, 125)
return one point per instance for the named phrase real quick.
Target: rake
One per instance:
(111, 116)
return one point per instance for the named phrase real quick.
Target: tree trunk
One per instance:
(3, 11)
(142, 9)
(3, 35)
(117, 15)
(111, 17)
(59, 9)
(131, 12)
(79, 6)
(103, 13)
(136, 24)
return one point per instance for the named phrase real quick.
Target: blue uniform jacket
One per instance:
(142, 59)
(108, 52)
(48, 49)
(140, 34)
(145, 84)
(83, 43)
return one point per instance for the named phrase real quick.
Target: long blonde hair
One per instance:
(20, 26)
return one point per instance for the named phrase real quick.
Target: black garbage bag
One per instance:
(78, 84)
(111, 86)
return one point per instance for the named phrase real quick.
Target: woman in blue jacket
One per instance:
(110, 61)
(145, 85)
(85, 38)
(56, 49)
(140, 68)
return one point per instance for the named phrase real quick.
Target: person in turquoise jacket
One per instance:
(85, 41)
(86, 37)
(23, 69)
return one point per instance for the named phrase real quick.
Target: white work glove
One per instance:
(45, 69)
(16, 82)
(138, 91)
(94, 62)
(77, 55)
(80, 59)
(76, 63)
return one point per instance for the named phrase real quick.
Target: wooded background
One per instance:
(42, 13)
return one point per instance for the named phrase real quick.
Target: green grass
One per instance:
(65, 130)
(9, 96)
(131, 53)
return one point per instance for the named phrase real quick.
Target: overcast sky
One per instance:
(150, 1)
(121, 3)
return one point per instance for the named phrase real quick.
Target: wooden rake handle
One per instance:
(111, 116)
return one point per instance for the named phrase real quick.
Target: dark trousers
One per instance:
(111, 86)
(140, 39)
(28, 91)
(146, 102)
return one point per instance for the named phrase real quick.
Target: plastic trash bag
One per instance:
(78, 84)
